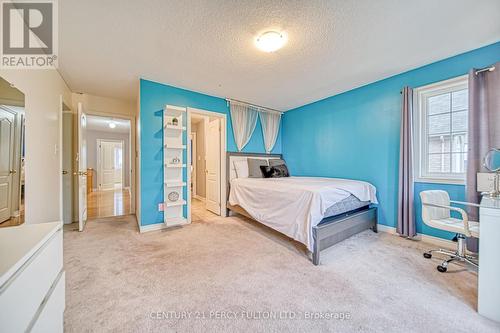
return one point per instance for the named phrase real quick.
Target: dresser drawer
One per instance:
(22, 295)
(51, 316)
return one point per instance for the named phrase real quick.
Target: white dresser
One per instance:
(489, 259)
(32, 285)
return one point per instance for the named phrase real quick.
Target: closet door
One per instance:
(213, 167)
(6, 162)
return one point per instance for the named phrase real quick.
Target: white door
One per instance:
(68, 123)
(110, 164)
(82, 168)
(213, 167)
(6, 162)
(194, 157)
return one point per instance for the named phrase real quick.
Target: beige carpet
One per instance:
(189, 279)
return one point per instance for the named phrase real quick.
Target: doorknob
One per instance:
(64, 172)
(12, 172)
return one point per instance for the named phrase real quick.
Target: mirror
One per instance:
(492, 160)
(12, 155)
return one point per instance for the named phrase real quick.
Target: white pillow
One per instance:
(241, 168)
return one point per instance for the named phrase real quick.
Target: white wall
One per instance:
(44, 91)
(97, 104)
(137, 152)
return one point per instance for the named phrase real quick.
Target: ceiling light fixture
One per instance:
(270, 41)
(112, 125)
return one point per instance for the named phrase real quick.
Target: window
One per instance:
(441, 131)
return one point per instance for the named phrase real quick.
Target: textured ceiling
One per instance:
(97, 123)
(207, 46)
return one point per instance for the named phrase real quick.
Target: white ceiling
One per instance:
(207, 46)
(97, 123)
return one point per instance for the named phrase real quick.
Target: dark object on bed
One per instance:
(277, 171)
(277, 161)
(330, 230)
(254, 165)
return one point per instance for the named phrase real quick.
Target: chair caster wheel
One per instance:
(427, 255)
(442, 269)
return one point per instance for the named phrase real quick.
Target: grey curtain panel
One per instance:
(406, 218)
(484, 131)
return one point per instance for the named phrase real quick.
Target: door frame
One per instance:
(82, 169)
(194, 161)
(223, 149)
(16, 159)
(99, 171)
(132, 156)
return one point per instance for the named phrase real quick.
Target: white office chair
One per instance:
(436, 213)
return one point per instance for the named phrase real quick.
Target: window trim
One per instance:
(420, 95)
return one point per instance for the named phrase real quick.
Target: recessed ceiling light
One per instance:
(112, 125)
(270, 41)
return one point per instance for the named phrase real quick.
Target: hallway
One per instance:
(108, 203)
(199, 213)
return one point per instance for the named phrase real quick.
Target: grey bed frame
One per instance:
(330, 230)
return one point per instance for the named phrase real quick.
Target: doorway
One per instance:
(91, 194)
(108, 166)
(12, 155)
(208, 151)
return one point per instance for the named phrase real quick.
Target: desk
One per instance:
(489, 259)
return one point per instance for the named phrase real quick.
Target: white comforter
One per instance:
(293, 205)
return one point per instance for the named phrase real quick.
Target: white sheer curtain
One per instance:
(270, 122)
(244, 120)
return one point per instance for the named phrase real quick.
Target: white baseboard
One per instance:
(152, 227)
(420, 237)
(199, 198)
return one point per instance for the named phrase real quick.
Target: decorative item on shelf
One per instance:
(175, 122)
(176, 160)
(173, 196)
(492, 163)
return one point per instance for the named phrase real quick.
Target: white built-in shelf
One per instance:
(180, 128)
(175, 138)
(174, 111)
(176, 221)
(176, 203)
(170, 165)
(175, 146)
(175, 184)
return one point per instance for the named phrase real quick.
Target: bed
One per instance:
(317, 212)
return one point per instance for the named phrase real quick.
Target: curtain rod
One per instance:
(481, 70)
(486, 69)
(229, 100)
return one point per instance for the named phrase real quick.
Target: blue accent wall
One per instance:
(153, 97)
(356, 134)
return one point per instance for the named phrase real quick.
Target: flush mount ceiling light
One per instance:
(112, 124)
(270, 41)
